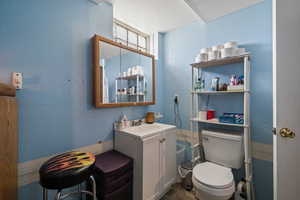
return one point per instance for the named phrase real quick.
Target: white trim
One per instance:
(275, 178)
(28, 172)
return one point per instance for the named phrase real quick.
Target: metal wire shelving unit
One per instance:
(196, 122)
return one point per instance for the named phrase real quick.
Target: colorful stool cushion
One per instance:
(66, 170)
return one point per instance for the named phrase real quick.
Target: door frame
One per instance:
(274, 44)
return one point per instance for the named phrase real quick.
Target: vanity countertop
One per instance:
(146, 130)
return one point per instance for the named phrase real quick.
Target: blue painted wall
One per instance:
(49, 42)
(252, 28)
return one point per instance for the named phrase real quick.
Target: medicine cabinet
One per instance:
(123, 76)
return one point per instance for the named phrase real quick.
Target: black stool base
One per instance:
(60, 196)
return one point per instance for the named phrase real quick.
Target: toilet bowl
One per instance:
(213, 182)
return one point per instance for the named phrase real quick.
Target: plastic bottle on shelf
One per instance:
(233, 80)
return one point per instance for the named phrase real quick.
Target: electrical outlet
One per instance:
(17, 80)
(176, 99)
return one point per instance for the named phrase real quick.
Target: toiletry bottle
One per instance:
(198, 85)
(145, 89)
(124, 122)
(233, 80)
(215, 84)
(202, 85)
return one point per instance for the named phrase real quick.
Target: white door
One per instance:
(286, 79)
(151, 167)
(168, 159)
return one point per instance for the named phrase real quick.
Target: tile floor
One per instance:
(179, 193)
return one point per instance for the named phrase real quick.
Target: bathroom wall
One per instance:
(49, 42)
(252, 28)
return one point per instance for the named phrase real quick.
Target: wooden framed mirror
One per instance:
(123, 76)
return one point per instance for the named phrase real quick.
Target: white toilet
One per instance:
(213, 179)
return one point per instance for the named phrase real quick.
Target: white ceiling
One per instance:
(154, 15)
(210, 10)
(164, 15)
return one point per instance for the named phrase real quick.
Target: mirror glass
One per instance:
(126, 76)
(110, 64)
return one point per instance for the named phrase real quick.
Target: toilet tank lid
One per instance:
(223, 135)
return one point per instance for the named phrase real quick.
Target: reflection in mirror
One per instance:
(134, 83)
(123, 76)
(110, 64)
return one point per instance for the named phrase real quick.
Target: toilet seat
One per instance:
(213, 175)
(213, 179)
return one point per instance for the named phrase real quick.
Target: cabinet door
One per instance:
(151, 167)
(169, 170)
(8, 148)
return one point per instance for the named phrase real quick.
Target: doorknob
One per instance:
(287, 133)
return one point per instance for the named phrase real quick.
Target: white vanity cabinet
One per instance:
(153, 148)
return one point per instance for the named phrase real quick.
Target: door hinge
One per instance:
(274, 131)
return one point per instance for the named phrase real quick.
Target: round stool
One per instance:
(68, 170)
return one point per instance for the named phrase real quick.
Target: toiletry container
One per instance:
(215, 84)
(202, 115)
(210, 114)
(150, 117)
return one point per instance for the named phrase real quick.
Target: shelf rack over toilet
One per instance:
(197, 67)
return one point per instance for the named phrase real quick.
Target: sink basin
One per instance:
(147, 127)
(146, 130)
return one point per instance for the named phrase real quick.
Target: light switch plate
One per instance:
(17, 80)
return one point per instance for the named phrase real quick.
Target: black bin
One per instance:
(114, 176)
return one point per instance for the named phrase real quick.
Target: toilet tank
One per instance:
(223, 148)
